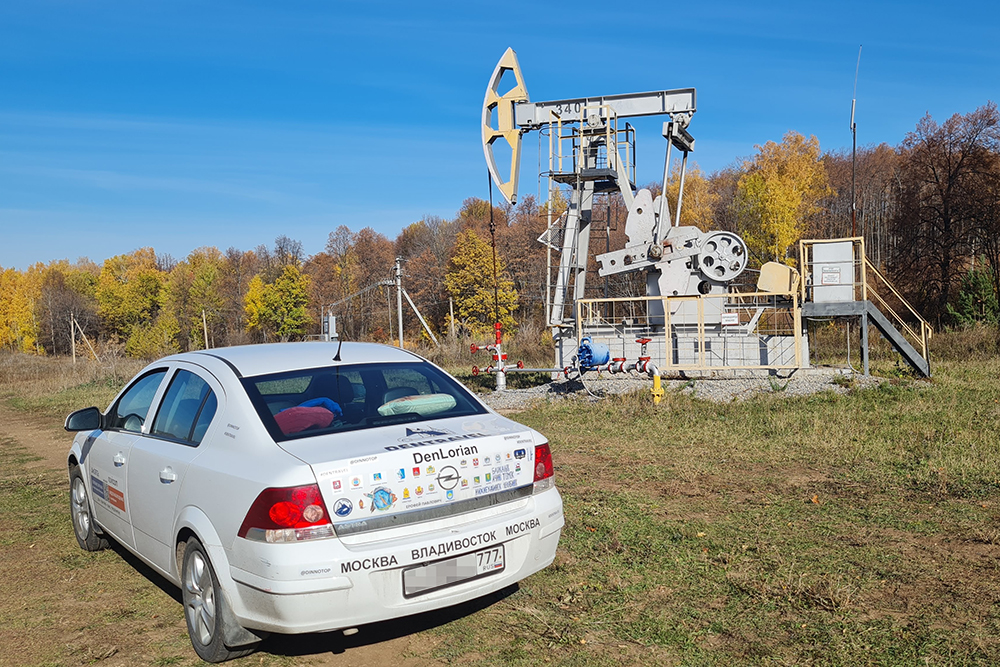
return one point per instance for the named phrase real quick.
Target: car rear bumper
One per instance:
(363, 583)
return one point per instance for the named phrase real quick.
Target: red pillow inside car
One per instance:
(294, 420)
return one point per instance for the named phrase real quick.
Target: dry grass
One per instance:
(58, 386)
(828, 529)
(976, 342)
(531, 344)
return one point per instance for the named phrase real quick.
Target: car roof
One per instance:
(251, 360)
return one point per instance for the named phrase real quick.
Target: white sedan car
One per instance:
(307, 487)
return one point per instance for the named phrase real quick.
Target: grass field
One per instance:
(857, 529)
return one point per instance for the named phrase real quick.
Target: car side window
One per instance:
(204, 418)
(130, 412)
(186, 410)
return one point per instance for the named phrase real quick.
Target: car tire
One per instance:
(205, 607)
(81, 513)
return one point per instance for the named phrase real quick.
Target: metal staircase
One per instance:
(870, 314)
(856, 288)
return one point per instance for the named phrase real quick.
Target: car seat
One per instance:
(398, 392)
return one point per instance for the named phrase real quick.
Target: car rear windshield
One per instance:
(306, 403)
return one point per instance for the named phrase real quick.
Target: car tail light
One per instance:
(543, 468)
(287, 515)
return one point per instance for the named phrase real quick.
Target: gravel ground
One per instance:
(723, 387)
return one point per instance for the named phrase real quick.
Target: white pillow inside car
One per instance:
(422, 404)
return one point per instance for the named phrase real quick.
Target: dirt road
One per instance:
(61, 605)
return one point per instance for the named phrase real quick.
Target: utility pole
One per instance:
(72, 337)
(399, 298)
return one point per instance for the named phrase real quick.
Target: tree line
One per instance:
(928, 209)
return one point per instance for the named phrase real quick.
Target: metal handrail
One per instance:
(862, 262)
(588, 314)
(899, 296)
(901, 323)
(926, 331)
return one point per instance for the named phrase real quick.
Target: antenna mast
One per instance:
(854, 149)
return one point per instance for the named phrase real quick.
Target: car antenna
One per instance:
(337, 356)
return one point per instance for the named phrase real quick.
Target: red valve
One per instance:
(643, 342)
(473, 348)
(475, 370)
(520, 364)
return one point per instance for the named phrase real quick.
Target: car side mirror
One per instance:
(87, 419)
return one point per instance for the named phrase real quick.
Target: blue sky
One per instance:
(178, 124)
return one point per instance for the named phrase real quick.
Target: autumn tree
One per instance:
(130, 295)
(944, 203)
(470, 283)
(67, 290)
(987, 217)
(344, 272)
(517, 229)
(425, 247)
(779, 191)
(475, 213)
(278, 309)
(236, 271)
(194, 297)
(375, 257)
(525, 258)
(333, 275)
(271, 262)
(700, 198)
(129, 291)
(875, 197)
(19, 294)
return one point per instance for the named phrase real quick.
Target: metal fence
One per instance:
(753, 330)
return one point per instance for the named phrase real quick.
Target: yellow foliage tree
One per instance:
(253, 303)
(469, 281)
(193, 288)
(156, 338)
(278, 308)
(130, 291)
(698, 206)
(780, 189)
(19, 293)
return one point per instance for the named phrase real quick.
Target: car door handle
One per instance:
(167, 476)
(119, 460)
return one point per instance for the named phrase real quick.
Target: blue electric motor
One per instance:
(591, 354)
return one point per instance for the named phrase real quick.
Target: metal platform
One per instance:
(866, 311)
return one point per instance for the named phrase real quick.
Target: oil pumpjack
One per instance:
(691, 317)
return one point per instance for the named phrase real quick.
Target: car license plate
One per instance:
(432, 576)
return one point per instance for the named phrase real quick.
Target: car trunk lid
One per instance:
(416, 472)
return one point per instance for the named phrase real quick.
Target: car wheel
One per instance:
(204, 606)
(83, 519)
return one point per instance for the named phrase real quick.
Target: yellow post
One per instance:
(657, 389)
